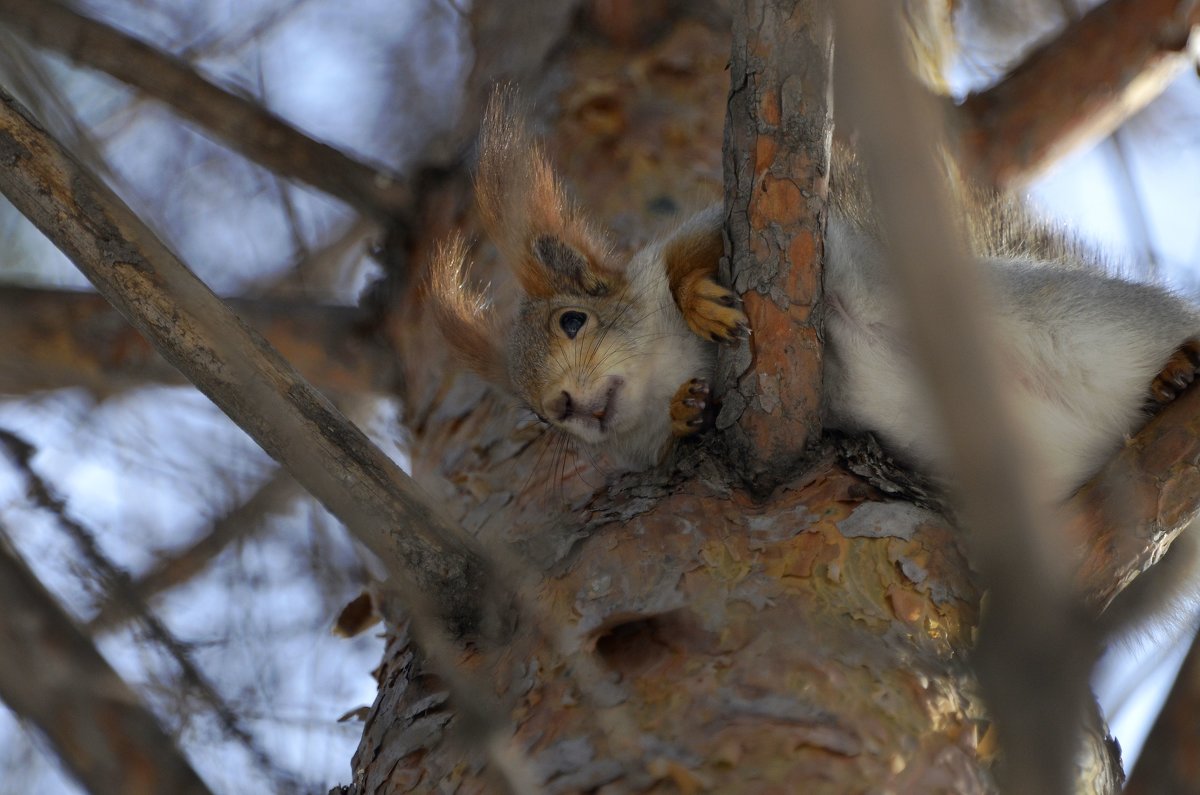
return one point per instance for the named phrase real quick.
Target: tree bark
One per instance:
(679, 629)
(780, 126)
(1111, 63)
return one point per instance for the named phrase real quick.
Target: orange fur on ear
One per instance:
(539, 232)
(464, 316)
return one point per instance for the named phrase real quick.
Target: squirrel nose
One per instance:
(562, 407)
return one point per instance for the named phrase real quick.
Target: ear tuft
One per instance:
(463, 314)
(551, 248)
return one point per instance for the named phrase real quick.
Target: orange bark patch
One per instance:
(769, 109)
(775, 200)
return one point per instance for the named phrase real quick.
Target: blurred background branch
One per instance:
(238, 121)
(61, 684)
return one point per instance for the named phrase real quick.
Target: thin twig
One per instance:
(276, 494)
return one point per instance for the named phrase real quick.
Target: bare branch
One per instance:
(779, 126)
(1125, 518)
(1034, 653)
(1109, 64)
(234, 367)
(57, 339)
(115, 583)
(61, 684)
(276, 495)
(241, 123)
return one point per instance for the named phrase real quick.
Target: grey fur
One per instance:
(1079, 347)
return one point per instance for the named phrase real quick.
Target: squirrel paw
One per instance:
(1179, 371)
(692, 409)
(711, 310)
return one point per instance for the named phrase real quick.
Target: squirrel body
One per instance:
(1081, 351)
(618, 355)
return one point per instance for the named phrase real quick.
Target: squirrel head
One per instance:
(596, 348)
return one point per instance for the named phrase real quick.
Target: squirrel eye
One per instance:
(571, 322)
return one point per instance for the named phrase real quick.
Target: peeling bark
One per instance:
(678, 631)
(1123, 521)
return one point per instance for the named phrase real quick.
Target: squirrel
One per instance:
(619, 355)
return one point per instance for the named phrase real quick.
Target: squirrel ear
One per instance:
(566, 271)
(697, 246)
(541, 235)
(463, 315)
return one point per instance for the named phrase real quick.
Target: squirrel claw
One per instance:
(691, 409)
(1177, 374)
(711, 311)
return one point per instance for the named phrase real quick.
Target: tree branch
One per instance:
(1034, 653)
(241, 123)
(779, 127)
(1110, 64)
(115, 583)
(57, 339)
(61, 684)
(1126, 517)
(234, 367)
